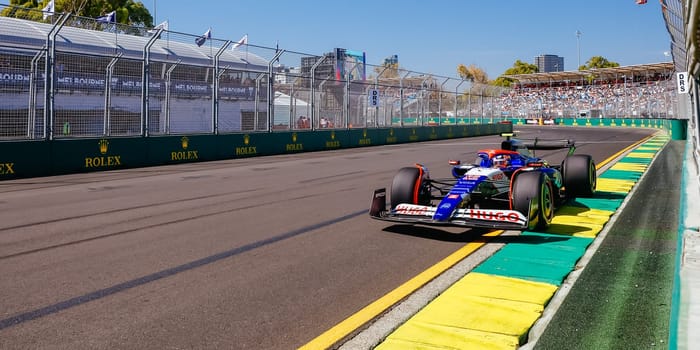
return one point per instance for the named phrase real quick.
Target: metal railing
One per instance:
(71, 76)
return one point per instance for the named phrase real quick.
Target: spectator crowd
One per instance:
(644, 99)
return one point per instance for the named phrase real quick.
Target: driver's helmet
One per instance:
(501, 161)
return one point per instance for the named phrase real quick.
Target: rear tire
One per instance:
(532, 195)
(579, 175)
(409, 186)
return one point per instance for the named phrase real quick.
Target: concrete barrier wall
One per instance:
(676, 128)
(23, 159)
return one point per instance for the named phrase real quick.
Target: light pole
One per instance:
(578, 47)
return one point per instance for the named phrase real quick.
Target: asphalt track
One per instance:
(259, 253)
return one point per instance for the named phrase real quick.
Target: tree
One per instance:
(129, 12)
(598, 62)
(472, 73)
(519, 67)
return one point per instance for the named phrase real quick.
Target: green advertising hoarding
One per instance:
(22, 159)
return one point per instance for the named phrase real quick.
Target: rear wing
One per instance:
(536, 143)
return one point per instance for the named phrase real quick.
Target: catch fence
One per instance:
(70, 76)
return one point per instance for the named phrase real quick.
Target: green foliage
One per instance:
(503, 81)
(129, 12)
(596, 62)
(472, 73)
(23, 9)
(519, 67)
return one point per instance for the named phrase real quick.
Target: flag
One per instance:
(49, 9)
(243, 41)
(108, 18)
(641, 2)
(202, 39)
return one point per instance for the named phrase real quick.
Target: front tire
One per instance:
(532, 195)
(409, 186)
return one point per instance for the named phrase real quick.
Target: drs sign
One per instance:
(373, 98)
(682, 79)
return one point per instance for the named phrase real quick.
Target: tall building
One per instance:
(549, 63)
(391, 60)
(337, 63)
(284, 73)
(326, 68)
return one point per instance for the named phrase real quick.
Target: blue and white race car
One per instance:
(507, 188)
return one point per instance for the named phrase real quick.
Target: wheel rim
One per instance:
(546, 203)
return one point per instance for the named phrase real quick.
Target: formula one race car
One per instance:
(507, 188)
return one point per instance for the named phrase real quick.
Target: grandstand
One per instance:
(640, 91)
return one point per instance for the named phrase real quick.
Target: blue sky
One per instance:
(434, 36)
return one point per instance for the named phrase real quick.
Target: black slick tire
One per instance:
(532, 195)
(579, 176)
(408, 187)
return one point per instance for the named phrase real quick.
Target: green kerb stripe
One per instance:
(635, 160)
(539, 257)
(621, 175)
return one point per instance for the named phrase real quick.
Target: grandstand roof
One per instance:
(32, 35)
(614, 72)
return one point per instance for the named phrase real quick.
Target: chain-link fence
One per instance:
(106, 79)
(71, 76)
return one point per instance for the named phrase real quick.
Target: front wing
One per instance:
(423, 214)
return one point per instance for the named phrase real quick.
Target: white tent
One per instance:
(288, 109)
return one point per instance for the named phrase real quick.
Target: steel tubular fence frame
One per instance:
(33, 78)
(407, 98)
(108, 94)
(50, 77)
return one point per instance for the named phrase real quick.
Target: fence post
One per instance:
(293, 105)
(313, 89)
(215, 89)
(376, 109)
(50, 76)
(257, 100)
(401, 98)
(457, 95)
(346, 96)
(31, 118)
(442, 88)
(106, 125)
(168, 89)
(469, 114)
(145, 82)
(422, 101)
(270, 91)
